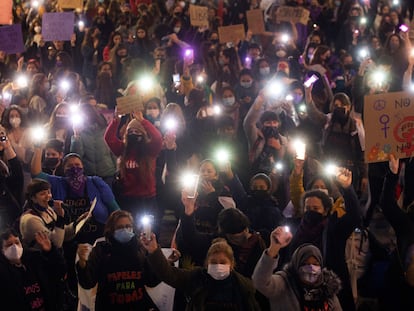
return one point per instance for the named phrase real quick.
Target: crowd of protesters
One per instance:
(256, 145)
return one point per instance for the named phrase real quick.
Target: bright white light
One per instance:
(274, 88)
(146, 83)
(412, 87)
(395, 2)
(286, 228)
(302, 108)
(74, 108)
(222, 155)
(285, 38)
(363, 20)
(300, 149)
(77, 119)
(188, 180)
(38, 133)
(331, 169)
(412, 52)
(65, 85)
(289, 97)
(171, 124)
(217, 109)
(35, 4)
(364, 53)
(200, 79)
(379, 76)
(7, 95)
(22, 81)
(146, 220)
(81, 24)
(278, 166)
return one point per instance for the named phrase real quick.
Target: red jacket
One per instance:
(139, 177)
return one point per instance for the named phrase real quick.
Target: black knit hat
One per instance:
(231, 221)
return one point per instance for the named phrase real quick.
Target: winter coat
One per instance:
(96, 156)
(121, 272)
(283, 290)
(196, 283)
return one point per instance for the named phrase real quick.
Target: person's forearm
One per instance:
(36, 164)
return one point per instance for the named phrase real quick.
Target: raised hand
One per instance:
(150, 245)
(42, 239)
(344, 177)
(279, 238)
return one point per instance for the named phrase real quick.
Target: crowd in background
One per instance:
(257, 146)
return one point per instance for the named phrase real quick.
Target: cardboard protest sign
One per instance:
(294, 14)
(57, 26)
(6, 16)
(389, 126)
(233, 33)
(128, 104)
(255, 21)
(11, 39)
(70, 4)
(198, 15)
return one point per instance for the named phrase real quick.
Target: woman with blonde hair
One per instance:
(217, 286)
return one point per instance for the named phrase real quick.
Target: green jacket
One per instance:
(193, 283)
(97, 159)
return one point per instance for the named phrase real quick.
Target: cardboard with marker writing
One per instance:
(128, 104)
(6, 16)
(255, 21)
(70, 4)
(293, 14)
(389, 126)
(198, 15)
(232, 33)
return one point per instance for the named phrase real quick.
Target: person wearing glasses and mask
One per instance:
(118, 267)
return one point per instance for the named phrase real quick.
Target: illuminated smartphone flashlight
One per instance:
(190, 184)
(147, 221)
(311, 81)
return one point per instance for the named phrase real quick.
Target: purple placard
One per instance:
(57, 26)
(11, 39)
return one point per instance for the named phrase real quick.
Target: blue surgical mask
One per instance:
(123, 235)
(229, 101)
(264, 71)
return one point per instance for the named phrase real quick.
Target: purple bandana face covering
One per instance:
(76, 180)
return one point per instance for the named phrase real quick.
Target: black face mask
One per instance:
(214, 41)
(349, 66)
(260, 194)
(270, 131)
(61, 122)
(135, 140)
(339, 115)
(50, 163)
(313, 218)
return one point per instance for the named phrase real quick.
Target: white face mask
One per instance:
(218, 271)
(177, 29)
(15, 122)
(14, 252)
(310, 273)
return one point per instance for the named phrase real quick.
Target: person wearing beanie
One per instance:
(135, 186)
(261, 207)
(303, 284)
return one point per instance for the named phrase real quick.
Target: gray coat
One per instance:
(280, 287)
